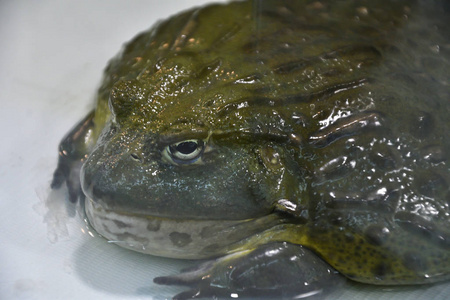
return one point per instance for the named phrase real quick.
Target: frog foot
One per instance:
(279, 270)
(72, 152)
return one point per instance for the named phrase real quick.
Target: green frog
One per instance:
(288, 144)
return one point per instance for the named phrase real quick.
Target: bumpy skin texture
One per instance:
(323, 123)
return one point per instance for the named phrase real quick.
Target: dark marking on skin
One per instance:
(121, 224)
(180, 239)
(154, 225)
(127, 236)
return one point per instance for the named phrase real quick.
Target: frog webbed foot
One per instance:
(279, 270)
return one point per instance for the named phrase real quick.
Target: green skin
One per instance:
(302, 129)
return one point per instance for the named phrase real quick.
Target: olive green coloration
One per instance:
(321, 124)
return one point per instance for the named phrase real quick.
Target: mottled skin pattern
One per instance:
(321, 124)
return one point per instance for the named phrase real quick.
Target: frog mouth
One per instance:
(175, 238)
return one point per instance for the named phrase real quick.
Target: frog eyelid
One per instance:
(170, 138)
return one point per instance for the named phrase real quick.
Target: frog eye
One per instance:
(186, 152)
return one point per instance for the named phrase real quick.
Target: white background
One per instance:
(52, 54)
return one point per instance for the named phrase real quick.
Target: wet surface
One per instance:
(72, 265)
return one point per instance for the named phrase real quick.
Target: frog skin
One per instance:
(287, 142)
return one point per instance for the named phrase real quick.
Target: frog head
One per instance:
(177, 149)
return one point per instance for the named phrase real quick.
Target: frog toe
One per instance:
(189, 276)
(199, 282)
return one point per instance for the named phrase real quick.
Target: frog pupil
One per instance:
(186, 147)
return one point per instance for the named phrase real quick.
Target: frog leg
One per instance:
(277, 269)
(73, 149)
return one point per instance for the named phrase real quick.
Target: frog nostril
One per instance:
(136, 157)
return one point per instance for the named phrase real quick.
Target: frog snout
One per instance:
(94, 185)
(107, 178)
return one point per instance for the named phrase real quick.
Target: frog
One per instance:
(286, 145)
